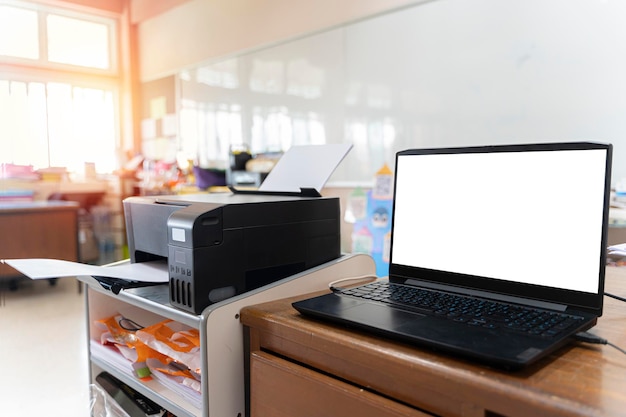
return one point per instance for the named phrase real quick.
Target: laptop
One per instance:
(497, 252)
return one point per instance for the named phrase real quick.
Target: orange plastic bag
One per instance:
(123, 334)
(174, 340)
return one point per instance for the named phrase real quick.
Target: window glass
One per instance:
(90, 49)
(23, 123)
(58, 125)
(19, 33)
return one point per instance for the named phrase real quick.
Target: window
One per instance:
(58, 88)
(90, 49)
(19, 33)
(57, 125)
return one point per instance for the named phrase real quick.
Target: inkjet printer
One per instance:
(220, 245)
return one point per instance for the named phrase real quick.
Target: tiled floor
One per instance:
(43, 349)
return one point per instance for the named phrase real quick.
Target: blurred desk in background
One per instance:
(38, 229)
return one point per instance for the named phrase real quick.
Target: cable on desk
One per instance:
(333, 285)
(617, 297)
(592, 338)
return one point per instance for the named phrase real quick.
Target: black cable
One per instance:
(333, 285)
(616, 347)
(617, 297)
(592, 338)
(128, 324)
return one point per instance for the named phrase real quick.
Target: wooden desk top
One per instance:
(579, 380)
(36, 206)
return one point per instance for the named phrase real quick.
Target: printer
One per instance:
(221, 245)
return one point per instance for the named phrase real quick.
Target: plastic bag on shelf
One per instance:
(174, 340)
(173, 347)
(101, 404)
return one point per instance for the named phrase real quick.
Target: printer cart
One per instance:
(221, 334)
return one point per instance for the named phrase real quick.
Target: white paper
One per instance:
(38, 268)
(306, 166)
(618, 250)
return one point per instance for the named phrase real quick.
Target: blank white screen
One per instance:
(530, 217)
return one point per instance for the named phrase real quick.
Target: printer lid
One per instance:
(225, 198)
(305, 166)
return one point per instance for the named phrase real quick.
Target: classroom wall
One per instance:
(434, 73)
(198, 30)
(421, 74)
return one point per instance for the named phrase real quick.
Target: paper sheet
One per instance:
(305, 166)
(39, 268)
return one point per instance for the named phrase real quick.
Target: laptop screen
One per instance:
(526, 220)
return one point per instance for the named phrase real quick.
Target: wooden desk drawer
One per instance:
(280, 388)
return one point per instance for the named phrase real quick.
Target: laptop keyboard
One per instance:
(469, 310)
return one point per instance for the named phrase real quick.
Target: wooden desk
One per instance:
(38, 230)
(303, 367)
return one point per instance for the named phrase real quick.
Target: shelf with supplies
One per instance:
(143, 310)
(221, 337)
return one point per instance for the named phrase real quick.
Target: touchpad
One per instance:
(380, 316)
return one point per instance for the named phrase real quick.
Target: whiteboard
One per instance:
(441, 73)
